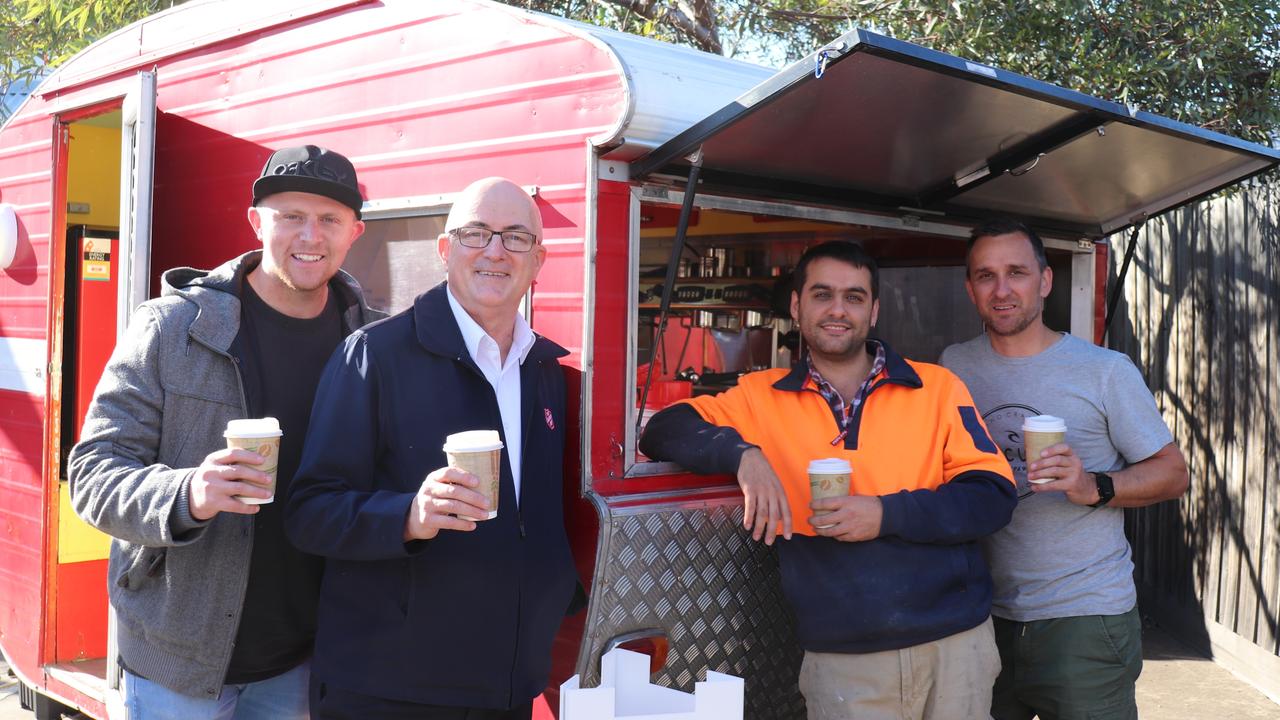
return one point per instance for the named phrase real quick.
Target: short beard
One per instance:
(856, 345)
(1022, 325)
(285, 279)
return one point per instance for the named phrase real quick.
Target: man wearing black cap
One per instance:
(214, 610)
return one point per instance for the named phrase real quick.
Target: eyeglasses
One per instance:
(516, 241)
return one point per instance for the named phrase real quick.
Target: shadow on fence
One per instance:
(1200, 316)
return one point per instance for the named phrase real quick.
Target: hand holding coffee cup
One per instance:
(828, 477)
(478, 452)
(260, 436)
(219, 482)
(1039, 433)
(446, 500)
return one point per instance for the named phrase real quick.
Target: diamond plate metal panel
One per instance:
(695, 572)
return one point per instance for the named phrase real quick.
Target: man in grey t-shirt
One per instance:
(1065, 604)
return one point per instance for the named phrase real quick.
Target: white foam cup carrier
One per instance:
(478, 452)
(262, 436)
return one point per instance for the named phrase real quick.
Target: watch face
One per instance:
(1005, 424)
(1106, 487)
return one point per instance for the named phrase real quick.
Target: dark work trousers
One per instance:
(332, 703)
(1076, 668)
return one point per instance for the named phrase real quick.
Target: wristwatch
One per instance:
(1106, 489)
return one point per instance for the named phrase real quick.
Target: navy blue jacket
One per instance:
(465, 619)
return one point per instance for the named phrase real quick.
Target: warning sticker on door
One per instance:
(96, 264)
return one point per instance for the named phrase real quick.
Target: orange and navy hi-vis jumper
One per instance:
(918, 443)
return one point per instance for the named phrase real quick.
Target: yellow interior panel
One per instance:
(93, 175)
(77, 541)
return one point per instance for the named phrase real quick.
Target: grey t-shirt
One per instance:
(1055, 558)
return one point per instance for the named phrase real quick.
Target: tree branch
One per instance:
(701, 27)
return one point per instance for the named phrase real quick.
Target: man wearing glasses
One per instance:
(425, 614)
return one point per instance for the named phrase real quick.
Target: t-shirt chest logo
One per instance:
(1005, 424)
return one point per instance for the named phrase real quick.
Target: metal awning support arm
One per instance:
(1017, 160)
(1124, 270)
(668, 285)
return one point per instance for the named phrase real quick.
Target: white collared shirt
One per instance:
(504, 377)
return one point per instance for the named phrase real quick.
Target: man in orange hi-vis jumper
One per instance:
(891, 594)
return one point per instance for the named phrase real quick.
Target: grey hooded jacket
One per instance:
(176, 584)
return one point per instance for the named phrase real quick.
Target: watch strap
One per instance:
(1106, 489)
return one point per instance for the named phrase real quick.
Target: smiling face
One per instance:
(490, 282)
(1007, 285)
(834, 310)
(305, 239)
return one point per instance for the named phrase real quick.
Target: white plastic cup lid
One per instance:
(253, 427)
(472, 441)
(830, 466)
(1044, 423)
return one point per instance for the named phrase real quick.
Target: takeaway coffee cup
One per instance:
(1040, 432)
(478, 452)
(262, 436)
(828, 477)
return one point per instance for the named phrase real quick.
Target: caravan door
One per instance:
(137, 176)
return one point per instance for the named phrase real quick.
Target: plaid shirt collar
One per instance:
(841, 410)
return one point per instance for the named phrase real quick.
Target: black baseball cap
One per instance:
(309, 169)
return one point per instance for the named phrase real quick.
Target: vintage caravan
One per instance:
(673, 184)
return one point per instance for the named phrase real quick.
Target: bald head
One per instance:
(491, 281)
(497, 198)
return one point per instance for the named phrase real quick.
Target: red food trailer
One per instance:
(671, 182)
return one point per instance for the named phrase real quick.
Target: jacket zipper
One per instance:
(515, 655)
(244, 409)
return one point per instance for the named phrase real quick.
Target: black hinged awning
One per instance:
(890, 125)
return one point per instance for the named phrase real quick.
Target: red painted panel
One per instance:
(609, 344)
(583, 529)
(425, 119)
(95, 318)
(26, 157)
(89, 705)
(610, 350)
(19, 613)
(81, 611)
(123, 46)
(21, 528)
(21, 432)
(558, 294)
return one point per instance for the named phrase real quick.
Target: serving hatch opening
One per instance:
(730, 306)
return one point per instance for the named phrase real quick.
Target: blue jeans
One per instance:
(283, 697)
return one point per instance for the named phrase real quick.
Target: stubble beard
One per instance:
(1020, 326)
(838, 351)
(293, 285)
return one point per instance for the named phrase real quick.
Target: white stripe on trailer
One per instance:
(22, 363)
